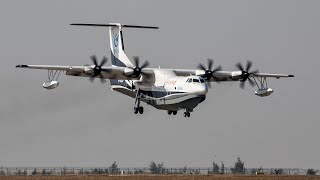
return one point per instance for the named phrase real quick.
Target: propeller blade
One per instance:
(252, 83)
(210, 63)
(249, 64)
(136, 61)
(145, 74)
(216, 79)
(146, 63)
(91, 79)
(97, 68)
(242, 85)
(239, 66)
(104, 60)
(102, 80)
(94, 59)
(200, 66)
(246, 74)
(219, 68)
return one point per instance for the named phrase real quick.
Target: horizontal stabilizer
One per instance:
(115, 24)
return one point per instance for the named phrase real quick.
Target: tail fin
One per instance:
(118, 56)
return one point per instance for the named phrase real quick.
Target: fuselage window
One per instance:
(196, 80)
(201, 80)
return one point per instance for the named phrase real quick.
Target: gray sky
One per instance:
(86, 124)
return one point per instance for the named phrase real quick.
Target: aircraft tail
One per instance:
(118, 56)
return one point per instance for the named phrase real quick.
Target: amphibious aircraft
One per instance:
(165, 89)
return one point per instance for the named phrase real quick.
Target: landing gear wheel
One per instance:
(186, 114)
(174, 112)
(169, 112)
(136, 110)
(141, 110)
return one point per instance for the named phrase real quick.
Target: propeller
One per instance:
(246, 74)
(137, 70)
(209, 71)
(97, 68)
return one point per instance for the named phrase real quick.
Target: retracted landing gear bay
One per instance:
(137, 108)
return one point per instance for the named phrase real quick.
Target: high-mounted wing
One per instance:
(226, 75)
(105, 72)
(268, 75)
(217, 74)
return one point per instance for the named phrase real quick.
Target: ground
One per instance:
(163, 177)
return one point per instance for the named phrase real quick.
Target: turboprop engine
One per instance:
(136, 71)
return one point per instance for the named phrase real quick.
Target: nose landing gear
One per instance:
(137, 108)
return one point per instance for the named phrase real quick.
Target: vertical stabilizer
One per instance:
(118, 56)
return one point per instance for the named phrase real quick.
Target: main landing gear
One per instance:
(185, 114)
(137, 108)
(172, 112)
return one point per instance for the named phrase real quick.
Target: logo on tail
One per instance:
(116, 40)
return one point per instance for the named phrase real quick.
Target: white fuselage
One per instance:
(170, 92)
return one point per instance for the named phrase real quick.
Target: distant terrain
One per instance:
(163, 177)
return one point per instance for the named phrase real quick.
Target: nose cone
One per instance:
(201, 89)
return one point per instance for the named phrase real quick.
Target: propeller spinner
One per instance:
(246, 74)
(209, 71)
(137, 70)
(97, 68)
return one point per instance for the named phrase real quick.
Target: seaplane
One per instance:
(171, 90)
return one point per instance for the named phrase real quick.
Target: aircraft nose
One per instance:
(202, 89)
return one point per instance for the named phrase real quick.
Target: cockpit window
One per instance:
(189, 80)
(196, 80)
(201, 80)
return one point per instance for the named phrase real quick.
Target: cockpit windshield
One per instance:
(196, 80)
(190, 80)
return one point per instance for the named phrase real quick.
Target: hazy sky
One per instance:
(86, 124)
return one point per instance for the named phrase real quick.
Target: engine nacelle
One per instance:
(88, 71)
(263, 92)
(128, 71)
(50, 85)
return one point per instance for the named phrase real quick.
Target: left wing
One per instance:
(107, 72)
(272, 75)
(226, 75)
